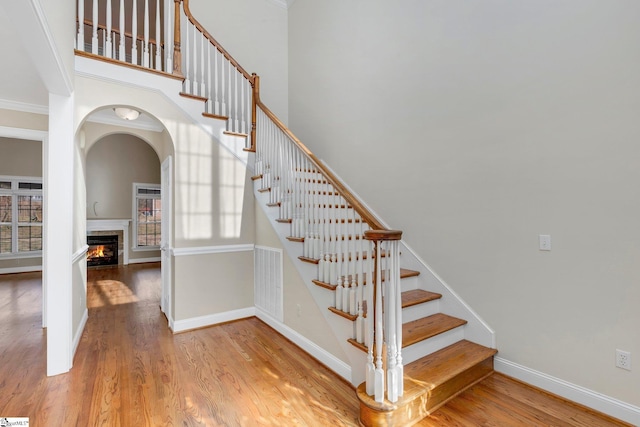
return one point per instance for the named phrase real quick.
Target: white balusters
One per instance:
(145, 51)
(378, 324)
(158, 38)
(134, 33)
(121, 52)
(94, 31)
(187, 56)
(168, 35)
(80, 36)
(203, 87)
(108, 43)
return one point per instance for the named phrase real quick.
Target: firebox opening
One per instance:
(103, 250)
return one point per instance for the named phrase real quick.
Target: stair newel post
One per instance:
(387, 322)
(177, 54)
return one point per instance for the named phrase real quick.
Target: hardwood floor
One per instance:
(130, 370)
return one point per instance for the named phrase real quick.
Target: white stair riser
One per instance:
(418, 311)
(433, 344)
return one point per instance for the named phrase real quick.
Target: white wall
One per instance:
(254, 32)
(213, 201)
(482, 125)
(301, 312)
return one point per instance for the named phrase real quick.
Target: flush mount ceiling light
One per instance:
(126, 113)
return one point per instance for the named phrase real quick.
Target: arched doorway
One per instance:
(128, 180)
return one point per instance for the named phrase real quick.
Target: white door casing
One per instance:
(165, 241)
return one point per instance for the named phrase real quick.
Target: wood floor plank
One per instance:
(130, 370)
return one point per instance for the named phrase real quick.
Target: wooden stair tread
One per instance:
(409, 299)
(418, 296)
(194, 97)
(404, 273)
(214, 116)
(427, 327)
(445, 364)
(436, 378)
(422, 329)
(240, 134)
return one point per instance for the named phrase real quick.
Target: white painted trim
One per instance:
(79, 254)
(58, 176)
(336, 365)
(600, 402)
(143, 260)
(132, 124)
(7, 104)
(19, 133)
(221, 249)
(78, 334)
(113, 225)
(212, 319)
(25, 269)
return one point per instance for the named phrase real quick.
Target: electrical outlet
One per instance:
(623, 359)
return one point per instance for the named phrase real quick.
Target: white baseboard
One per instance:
(211, 319)
(336, 365)
(78, 335)
(599, 402)
(143, 260)
(25, 269)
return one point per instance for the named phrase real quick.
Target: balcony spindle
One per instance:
(80, 36)
(134, 32)
(145, 51)
(94, 34)
(158, 38)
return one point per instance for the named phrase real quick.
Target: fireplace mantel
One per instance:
(113, 225)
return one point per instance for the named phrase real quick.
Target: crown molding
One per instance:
(7, 104)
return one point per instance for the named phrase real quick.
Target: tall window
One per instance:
(147, 216)
(20, 216)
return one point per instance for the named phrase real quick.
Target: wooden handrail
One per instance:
(364, 213)
(214, 42)
(117, 31)
(383, 235)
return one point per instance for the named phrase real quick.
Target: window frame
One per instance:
(134, 222)
(15, 192)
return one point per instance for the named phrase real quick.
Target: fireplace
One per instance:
(103, 250)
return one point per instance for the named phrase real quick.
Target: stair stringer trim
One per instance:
(476, 329)
(341, 327)
(169, 89)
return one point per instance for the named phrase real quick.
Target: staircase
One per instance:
(412, 343)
